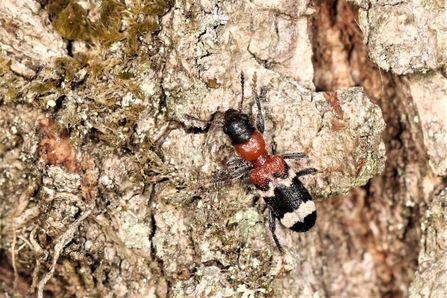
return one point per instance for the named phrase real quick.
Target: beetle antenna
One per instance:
(255, 79)
(242, 85)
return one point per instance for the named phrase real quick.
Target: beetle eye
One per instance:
(244, 117)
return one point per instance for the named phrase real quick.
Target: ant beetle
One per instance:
(287, 198)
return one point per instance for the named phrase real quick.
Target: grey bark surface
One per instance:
(417, 49)
(99, 160)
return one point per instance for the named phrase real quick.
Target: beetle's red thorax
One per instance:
(252, 149)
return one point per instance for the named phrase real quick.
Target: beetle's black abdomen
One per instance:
(237, 126)
(306, 224)
(292, 204)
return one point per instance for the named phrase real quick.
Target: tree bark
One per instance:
(106, 182)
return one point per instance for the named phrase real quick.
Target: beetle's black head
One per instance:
(237, 126)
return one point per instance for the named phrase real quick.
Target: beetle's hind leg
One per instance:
(272, 224)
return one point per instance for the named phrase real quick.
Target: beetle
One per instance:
(286, 197)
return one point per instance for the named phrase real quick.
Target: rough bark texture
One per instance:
(99, 161)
